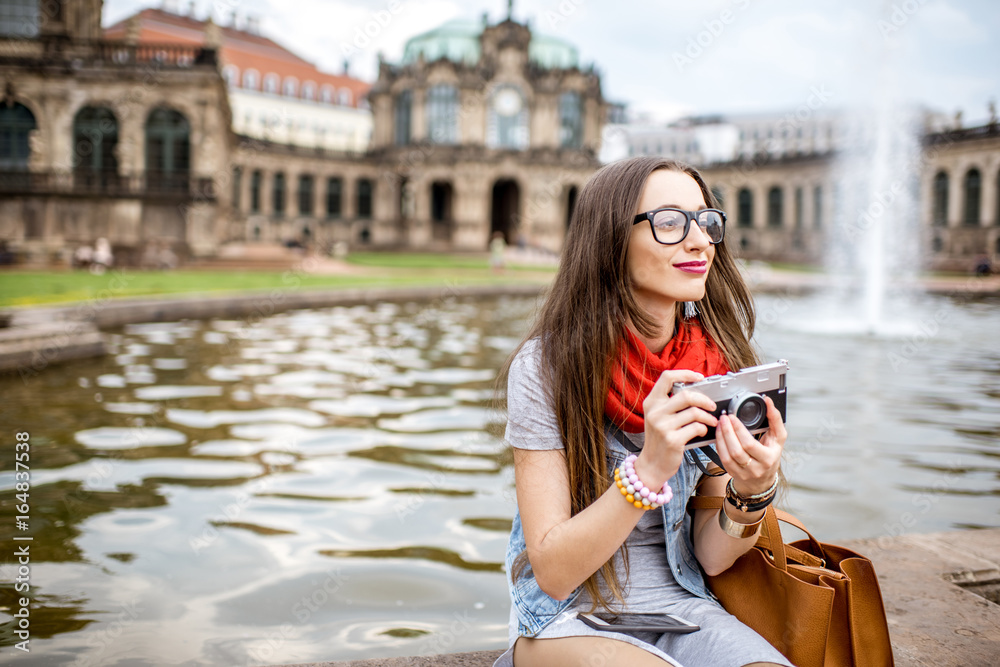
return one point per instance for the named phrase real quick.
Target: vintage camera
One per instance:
(742, 394)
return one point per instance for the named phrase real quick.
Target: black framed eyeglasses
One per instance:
(670, 225)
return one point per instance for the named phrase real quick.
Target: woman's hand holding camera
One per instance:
(670, 423)
(753, 464)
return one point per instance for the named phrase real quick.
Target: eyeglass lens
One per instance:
(669, 225)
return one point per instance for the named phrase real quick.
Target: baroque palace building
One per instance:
(169, 130)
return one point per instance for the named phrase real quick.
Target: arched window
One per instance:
(251, 79)
(237, 187)
(231, 75)
(744, 211)
(20, 19)
(973, 196)
(345, 98)
(507, 118)
(939, 208)
(309, 90)
(95, 136)
(16, 123)
(278, 195)
(570, 120)
(168, 150)
(306, 197)
(799, 208)
(403, 112)
(775, 206)
(365, 192)
(334, 189)
(326, 94)
(442, 114)
(818, 206)
(255, 181)
(271, 83)
(291, 87)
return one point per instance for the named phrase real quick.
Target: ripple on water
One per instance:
(132, 408)
(450, 376)
(110, 380)
(458, 418)
(239, 371)
(114, 437)
(213, 418)
(168, 364)
(374, 405)
(169, 391)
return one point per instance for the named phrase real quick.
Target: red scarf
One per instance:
(638, 369)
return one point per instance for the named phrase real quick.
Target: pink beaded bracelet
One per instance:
(635, 491)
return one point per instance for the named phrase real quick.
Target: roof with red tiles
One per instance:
(240, 49)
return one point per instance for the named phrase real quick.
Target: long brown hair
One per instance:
(583, 320)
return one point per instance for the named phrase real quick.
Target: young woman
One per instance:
(591, 384)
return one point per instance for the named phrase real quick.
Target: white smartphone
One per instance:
(637, 622)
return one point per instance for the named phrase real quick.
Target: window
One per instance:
(334, 189)
(442, 114)
(326, 94)
(344, 97)
(231, 75)
(19, 18)
(744, 211)
(255, 181)
(939, 209)
(251, 79)
(237, 187)
(279, 195)
(507, 119)
(775, 206)
(798, 207)
(271, 84)
(95, 135)
(571, 121)
(305, 194)
(309, 91)
(365, 187)
(168, 150)
(973, 192)
(404, 104)
(818, 206)
(16, 123)
(291, 86)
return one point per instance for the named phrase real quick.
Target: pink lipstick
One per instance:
(693, 267)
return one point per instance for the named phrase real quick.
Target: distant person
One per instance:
(497, 248)
(83, 257)
(592, 383)
(103, 258)
(983, 267)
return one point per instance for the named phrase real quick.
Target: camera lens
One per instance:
(749, 409)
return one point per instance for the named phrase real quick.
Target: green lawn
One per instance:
(26, 288)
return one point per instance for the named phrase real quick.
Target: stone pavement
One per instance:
(941, 593)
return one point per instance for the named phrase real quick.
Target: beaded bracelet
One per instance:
(635, 491)
(752, 503)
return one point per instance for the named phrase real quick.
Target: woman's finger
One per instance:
(665, 383)
(777, 426)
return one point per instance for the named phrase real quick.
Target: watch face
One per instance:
(507, 102)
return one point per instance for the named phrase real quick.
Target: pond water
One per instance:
(323, 485)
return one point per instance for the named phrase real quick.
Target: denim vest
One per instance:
(535, 609)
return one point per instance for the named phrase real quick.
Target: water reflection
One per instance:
(324, 484)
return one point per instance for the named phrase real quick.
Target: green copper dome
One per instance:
(458, 41)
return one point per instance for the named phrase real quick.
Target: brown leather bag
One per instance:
(819, 604)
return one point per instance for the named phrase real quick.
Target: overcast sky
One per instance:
(676, 58)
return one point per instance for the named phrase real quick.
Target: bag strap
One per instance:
(764, 540)
(619, 435)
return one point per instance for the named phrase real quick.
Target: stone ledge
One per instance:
(929, 583)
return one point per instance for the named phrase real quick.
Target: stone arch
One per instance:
(972, 197)
(505, 208)
(95, 147)
(442, 195)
